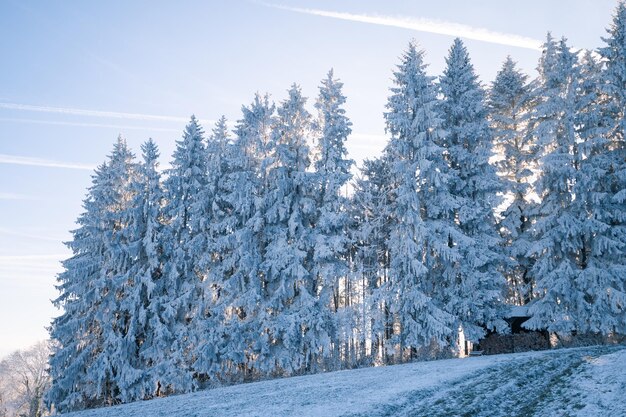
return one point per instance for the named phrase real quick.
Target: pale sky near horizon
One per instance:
(76, 74)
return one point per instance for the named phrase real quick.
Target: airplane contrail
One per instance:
(91, 113)
(40, 162)
(79, 124)
(14, 196)
(422, 24)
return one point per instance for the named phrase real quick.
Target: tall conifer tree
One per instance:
(186, 180)
(421, 224)
(86, 362)
(510, 105)
(476, 284)
(330, 238)
(150, 330)
(246, 186)
(559, 227)
(291, 307)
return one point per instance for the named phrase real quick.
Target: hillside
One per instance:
(578, 382)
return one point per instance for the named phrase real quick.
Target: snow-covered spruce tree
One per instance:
(210, 218)
(245, 346)
(602, 305)
(509, 105)
(148, 328)
(614, 77)
(558, 231)
(137, 246)
(330, 238)
(420, 215)
(117, 365)
(608, 303)
(369, 234)
(88, 337)
(292, 314)
(475, 282)
(186, 180)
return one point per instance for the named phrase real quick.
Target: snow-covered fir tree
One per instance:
(558, 231)
(369, 235)
(330, 238)
(186, 180)
(149, 330)
(136, 280)
(116, 366)
(290, 299)
(475, 282)
(245, 344)
(89, 336)
(601, 306)
(509, 105)
(210, 217)
(609, 302)
(421, 211)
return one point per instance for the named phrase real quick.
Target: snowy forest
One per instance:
(264, 252)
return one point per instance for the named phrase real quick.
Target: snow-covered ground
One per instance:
(568, 382)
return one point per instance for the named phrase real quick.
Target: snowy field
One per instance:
(567, 382)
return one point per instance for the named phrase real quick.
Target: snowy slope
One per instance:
(583, 382)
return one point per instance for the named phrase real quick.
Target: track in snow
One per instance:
(567, 382)
(518, 388)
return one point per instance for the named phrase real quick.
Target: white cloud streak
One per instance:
(79, 124)
(91, 113)
(40, 162)
(20, 270)
(8, 232)
(14, 196)
(420, 24)
(34, 260)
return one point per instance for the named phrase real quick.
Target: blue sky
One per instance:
(76, 74)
